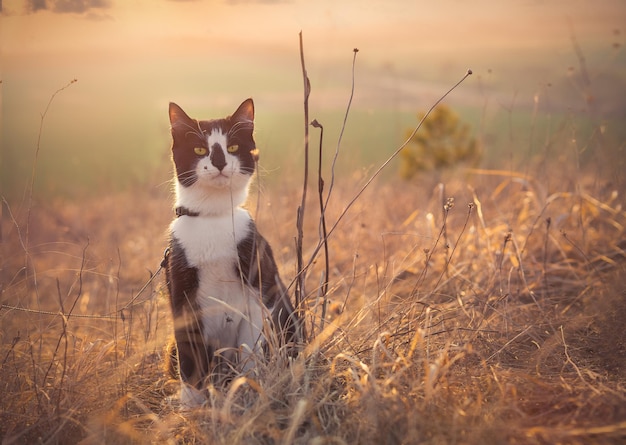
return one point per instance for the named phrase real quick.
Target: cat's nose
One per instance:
(217, 157)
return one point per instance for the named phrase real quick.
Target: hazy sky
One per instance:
(433, 40)
(380, 26)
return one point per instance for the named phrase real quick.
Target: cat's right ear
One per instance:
(178, 116)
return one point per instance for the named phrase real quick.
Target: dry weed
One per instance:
(493, 317)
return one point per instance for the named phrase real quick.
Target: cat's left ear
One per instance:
(245, 112)
(178, 116)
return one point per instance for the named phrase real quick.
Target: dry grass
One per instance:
(496, 317)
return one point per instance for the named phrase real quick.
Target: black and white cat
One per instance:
(228, 301)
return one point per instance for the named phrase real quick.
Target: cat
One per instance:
(227, 299)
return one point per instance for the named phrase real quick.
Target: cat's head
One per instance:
(214, 154)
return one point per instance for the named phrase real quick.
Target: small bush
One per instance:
(442, 142)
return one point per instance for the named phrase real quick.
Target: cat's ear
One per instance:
(178, 116)
(245, 112)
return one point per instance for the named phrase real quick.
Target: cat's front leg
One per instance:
(192, 356)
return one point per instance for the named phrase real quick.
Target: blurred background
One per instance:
(541, 68)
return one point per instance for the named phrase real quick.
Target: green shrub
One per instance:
(443, 141)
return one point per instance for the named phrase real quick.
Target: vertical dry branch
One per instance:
(470, 206)
(64, 336)
(301, 272)
(323, 232)
(324, 203)
(507, 239)
(446, 205)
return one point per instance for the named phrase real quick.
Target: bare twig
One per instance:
(32, 176)
(449, 259)
(323, 237)
(300, 292)
(64, 336)
(343, 127)
(574, 365)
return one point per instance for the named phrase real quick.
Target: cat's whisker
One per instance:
(169, 183)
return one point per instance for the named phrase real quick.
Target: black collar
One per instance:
(184, 211)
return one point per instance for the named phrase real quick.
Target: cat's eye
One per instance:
(200, 151)
(232, 148)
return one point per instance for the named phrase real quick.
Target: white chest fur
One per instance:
(207, 239)
(231, 311)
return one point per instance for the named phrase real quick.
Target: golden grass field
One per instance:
(487, 309)
(470, 306)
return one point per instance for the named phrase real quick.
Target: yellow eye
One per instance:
(200, 151)
(232, 148)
